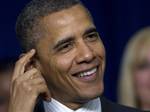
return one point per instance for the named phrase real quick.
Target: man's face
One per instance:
(72, 56)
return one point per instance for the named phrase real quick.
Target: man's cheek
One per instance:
(63, 64)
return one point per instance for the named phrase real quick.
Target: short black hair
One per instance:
(28, 21)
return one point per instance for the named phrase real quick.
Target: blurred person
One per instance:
(134, 82)
(64, 61)
(6, 67)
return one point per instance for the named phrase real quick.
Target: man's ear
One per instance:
(37, 65)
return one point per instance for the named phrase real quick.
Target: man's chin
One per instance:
(95, 92)
(90, 96)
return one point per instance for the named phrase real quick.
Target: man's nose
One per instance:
(85, 53)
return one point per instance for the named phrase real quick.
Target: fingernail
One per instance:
(32, 50)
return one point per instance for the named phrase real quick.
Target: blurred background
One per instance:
(116, 21)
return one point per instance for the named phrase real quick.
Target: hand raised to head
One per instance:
(26, 85)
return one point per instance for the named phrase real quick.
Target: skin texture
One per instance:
(142, 83)
(70, 45)
(4, 90)
(81, 51)
(26, 85)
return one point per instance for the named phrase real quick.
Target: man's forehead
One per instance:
(66, 23)
(63, 15)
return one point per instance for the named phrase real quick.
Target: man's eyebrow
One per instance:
(90, 30)
(64, 40)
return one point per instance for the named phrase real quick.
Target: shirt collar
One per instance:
(55, 106)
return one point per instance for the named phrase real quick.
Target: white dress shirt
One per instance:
(55, 106)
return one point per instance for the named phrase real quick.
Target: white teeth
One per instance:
(83, 74)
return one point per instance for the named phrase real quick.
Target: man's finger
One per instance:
(32, 73)
(21, 63)
(44, 92)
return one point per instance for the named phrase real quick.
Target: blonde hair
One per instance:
(126, 89)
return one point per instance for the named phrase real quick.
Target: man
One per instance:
(6, 67)
(66, 64)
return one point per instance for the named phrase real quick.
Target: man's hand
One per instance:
(26, 85)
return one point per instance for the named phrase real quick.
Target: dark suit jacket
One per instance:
(107, 106)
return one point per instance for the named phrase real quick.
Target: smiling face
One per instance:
(72, 56)
(142, 78)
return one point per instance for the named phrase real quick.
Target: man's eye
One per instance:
(65, 47)
(92, 37)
